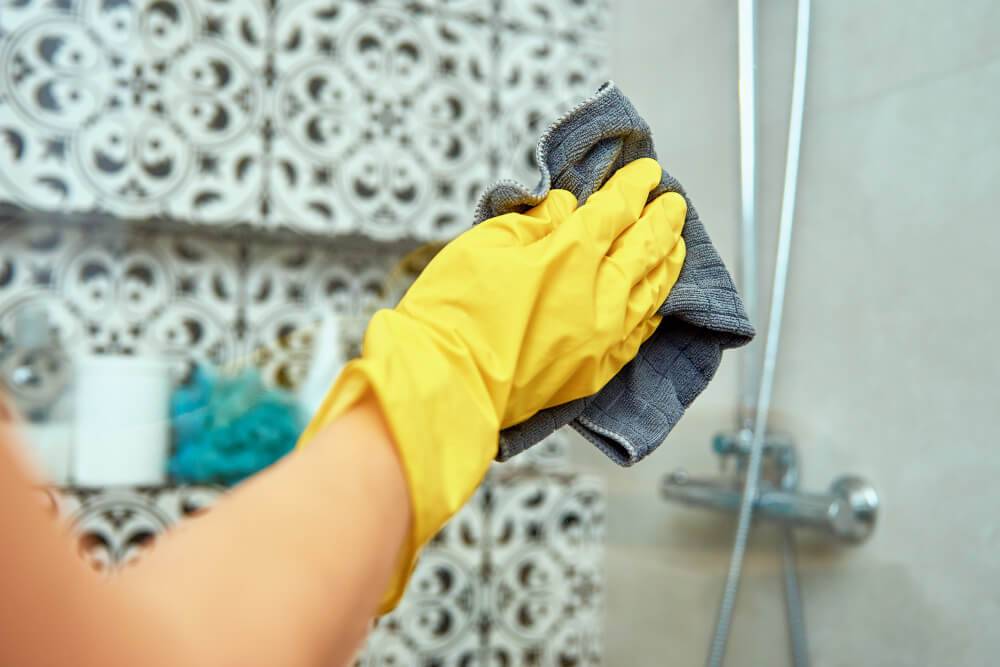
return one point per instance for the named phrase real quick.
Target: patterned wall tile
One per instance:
(539, 78)
(544, 552)
(380, 118)
(479, 11)
(136, 110)
(230, 303)
(321, 115)
(210, 89)
(316, 117)
(117, 290)
(115, 526)
(58, 76)
(288, 288)
(440, 618)
(552, 19)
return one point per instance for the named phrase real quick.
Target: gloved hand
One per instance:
(520, 313)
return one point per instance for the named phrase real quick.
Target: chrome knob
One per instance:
(854, 515)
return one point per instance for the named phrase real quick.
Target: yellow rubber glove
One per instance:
(520, 313)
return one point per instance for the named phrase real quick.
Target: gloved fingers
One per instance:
(658, 283)
(504, 231)
(524, 228)
(644, 245)
(644, 299)
(556, 207)
(668, 212)
(619, 202)
(649, 293)
(538, 222)
(625, 351)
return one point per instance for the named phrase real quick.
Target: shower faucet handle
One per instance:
(848, 512)
(858, 511)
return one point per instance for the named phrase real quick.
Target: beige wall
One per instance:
(889, 366)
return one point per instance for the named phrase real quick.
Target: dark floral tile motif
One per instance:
(544, 554)
(289, 288)
(115, 526)
(380, 117)
(538, 80)
(118, 291)
(139, 110)
(555, 19)
(437, 621)
(475, 11)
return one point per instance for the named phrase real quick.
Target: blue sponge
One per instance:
(228, 428)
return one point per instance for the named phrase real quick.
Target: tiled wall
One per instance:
(515, 579)
(386, 117)
(224, 302)
(356, 123)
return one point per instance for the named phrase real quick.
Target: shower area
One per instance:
(196, 189)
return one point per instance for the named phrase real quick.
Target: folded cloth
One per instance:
(703, 315)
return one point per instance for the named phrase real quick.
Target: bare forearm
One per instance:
(289, 569)
(55, 611)
(286, 570)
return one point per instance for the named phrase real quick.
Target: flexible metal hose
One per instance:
(726, 607)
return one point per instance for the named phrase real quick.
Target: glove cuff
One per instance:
(441, 419)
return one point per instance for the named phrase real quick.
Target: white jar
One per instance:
(121, 421)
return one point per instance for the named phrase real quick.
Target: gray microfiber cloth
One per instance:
(703, 315)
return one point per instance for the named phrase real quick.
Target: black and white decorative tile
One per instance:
(138, 110)
(225, 303)
(380, 117)
(384, 117)
(514, 579)
(539, 79)
(439, 621)
(290, 287)
(544, 550)
(114, 526)
(554, 19)
(122, 291)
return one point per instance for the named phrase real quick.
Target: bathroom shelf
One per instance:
(255, 234)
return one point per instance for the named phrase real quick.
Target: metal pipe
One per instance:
(747, 93)
(847, 512)
(795, 617)
(798, 644)
(721, 635)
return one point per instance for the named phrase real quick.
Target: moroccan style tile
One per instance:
(123, 291)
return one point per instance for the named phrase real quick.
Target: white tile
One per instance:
(138, 112)
(379, 120)
(552, 19)
(545, 548)
(437, 621)
(289, 287)
(538, 79)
